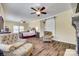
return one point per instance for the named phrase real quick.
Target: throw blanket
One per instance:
(18, 44)
(7, 48)
(11, 47)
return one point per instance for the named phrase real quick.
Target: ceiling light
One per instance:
(38, 12)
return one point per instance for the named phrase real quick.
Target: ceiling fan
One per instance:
(22, 21)
(38, 11)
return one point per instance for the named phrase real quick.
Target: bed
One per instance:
(27, 34)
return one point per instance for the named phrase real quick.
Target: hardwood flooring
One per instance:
(53, 48)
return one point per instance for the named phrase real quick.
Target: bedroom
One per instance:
(17, 18)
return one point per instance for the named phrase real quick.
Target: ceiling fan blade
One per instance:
(42, 8)
(33, 8)
(33, 12)
(43, 12)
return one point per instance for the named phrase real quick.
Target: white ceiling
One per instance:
(21, 11)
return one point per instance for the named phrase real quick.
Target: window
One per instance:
(21, 28)
(17, 29)
(50, 25)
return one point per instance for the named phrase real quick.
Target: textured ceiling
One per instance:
(21, 11)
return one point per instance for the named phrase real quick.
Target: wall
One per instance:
(1, 11)
(42, 28)
(1, 14)
(10, 24)
(38, 24)
(65, 32)
(35, 24)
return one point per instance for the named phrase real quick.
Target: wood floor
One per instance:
(53, 48)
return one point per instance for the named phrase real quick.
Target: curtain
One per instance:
(50, 25)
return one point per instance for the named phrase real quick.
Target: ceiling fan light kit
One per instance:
(38, 11)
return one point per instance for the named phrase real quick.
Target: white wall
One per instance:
(65, 32)
(38, 25)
